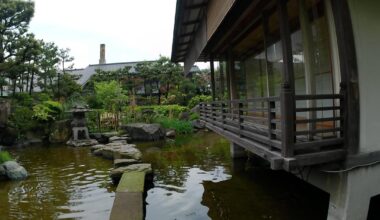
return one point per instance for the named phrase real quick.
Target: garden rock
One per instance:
(144, 132)
(184, 116)
(110, 134)
(101, 138)
(170, 133)
(14, 171)
(141, 167)
(117, 151)
(82, 143)
(96, 147)
(124, 162)
(60, 131)
(197, 124)
(117, 139)
(195, 109)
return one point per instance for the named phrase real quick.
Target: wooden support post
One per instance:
(212, 72)
(349, 70)
(224, 115)
(271, 124)
(287, 88)
(213, 116)
(222, 79)
(241, 119)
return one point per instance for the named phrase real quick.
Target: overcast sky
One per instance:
(133, 30)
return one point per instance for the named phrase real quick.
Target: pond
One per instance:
(195, 178)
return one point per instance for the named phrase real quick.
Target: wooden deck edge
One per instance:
(273, 157)
(310, 159)
(276, 160)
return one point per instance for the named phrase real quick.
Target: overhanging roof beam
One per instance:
(187, 34)
(196, 6)
(196, 21)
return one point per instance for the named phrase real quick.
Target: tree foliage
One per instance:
(110, 95)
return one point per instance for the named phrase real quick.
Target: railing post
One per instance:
(240, 119)
(271, 117)
(287, 122)
(213, 115)
(342, 110)
(224, 115)
(201, 110)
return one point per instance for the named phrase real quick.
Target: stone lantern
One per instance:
(80, 135)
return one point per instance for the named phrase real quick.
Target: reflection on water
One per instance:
(195, 179)
(64, 183)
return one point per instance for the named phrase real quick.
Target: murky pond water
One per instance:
(194, 179)
(64, 183)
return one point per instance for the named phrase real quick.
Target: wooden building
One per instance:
(294, 82)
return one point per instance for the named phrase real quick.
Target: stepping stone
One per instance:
(124, 162)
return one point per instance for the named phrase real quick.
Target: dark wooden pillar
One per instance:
(222, 79)
(228, 77)
(232, 76)
(349, 74)
(287, 87)
(212, 72)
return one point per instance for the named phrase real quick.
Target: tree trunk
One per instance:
(14, 87)
(167, 90)
(31, 84)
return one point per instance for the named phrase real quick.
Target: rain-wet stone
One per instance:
(124, 162)
(117, 151)
(141, 167)
(14, 171)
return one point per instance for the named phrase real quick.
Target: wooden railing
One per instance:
(316, 125)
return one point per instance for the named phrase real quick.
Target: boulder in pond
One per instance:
(60, 131)
(96, 147)
(14, 171)
(197, 124)
(144, 132)
(124, 162)
(82, 143)
(117, 138)
(141, 167)
(170, 133)
(101, 138)
(117, 151)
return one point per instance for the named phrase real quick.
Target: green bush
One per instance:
(47, 111)
(198, 99)
(4, 157)
(21, 120)
(181, 127)
(23, 99)
(149, 113)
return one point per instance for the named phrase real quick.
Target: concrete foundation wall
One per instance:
(350, 191)
(365, 20)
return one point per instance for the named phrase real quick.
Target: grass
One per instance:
(4, 157)
(181, 127)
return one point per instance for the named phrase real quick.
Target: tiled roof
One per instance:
(87, 72)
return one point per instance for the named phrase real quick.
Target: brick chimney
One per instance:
(102, 59)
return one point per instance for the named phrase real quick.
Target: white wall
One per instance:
(365, 15)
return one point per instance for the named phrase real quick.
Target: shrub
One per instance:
(23, 99)
(149, 113)
(181, 127)
(21, 120)
(198, 99)
(47, 111)
(4, 157)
